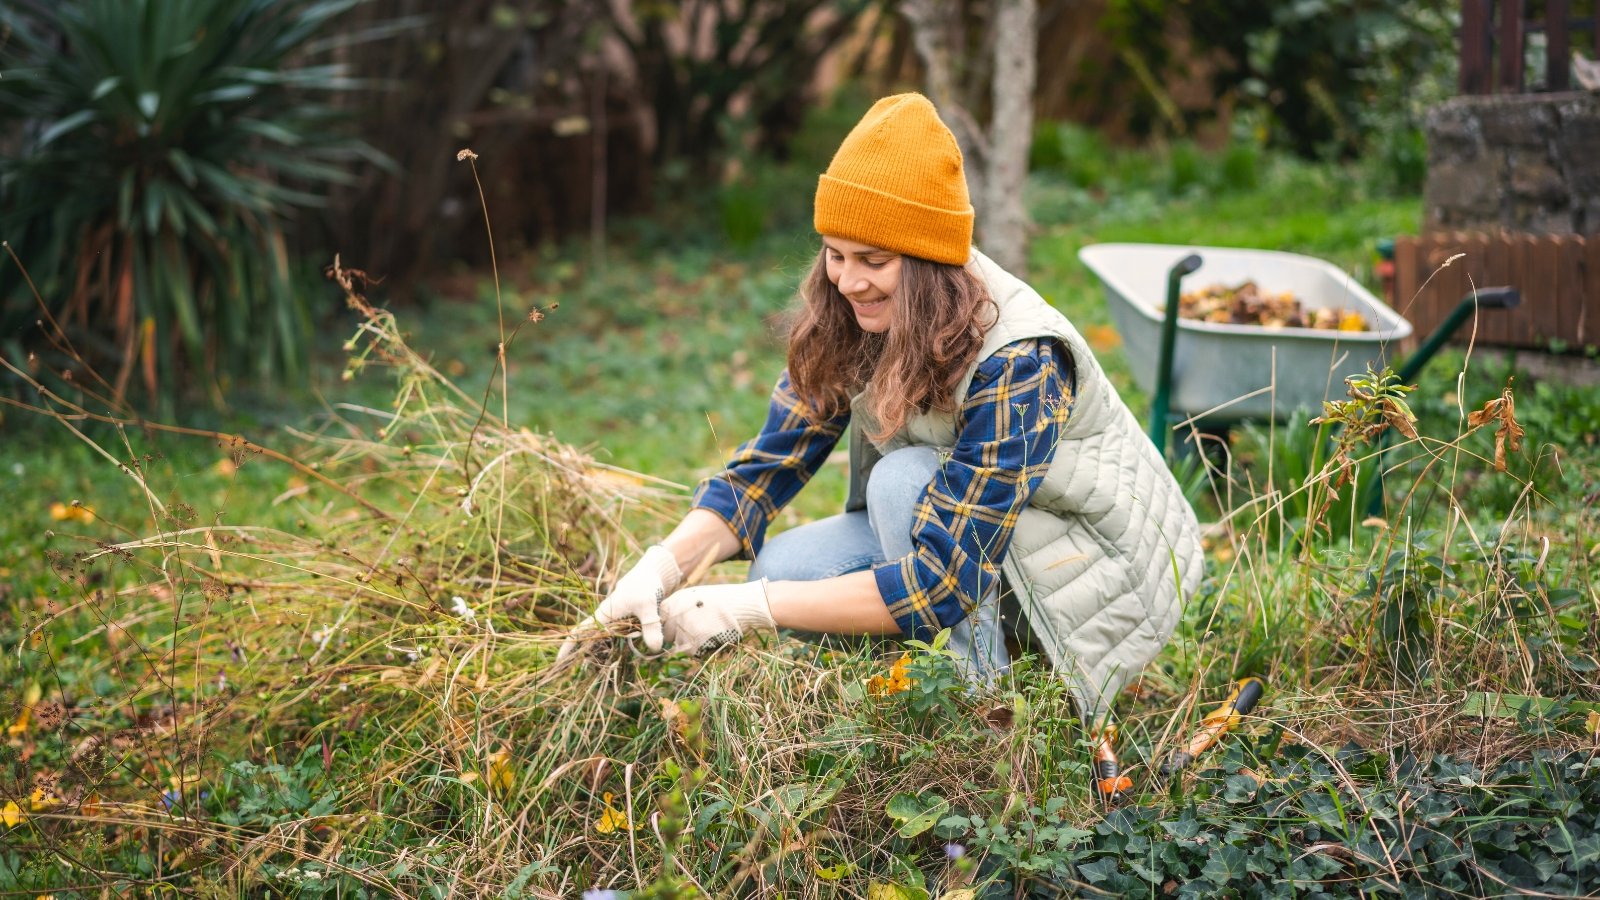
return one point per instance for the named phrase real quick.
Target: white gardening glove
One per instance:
(702, 619)
(637, 595)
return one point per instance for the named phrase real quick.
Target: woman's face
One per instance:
(867, 277)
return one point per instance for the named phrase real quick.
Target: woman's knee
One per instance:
(896, 485)
(817, 550)
(779, 561)
(900, 478)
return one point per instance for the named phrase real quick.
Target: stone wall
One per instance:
(1526, 162)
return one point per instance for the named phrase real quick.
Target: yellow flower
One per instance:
(897, 681)
(71, 512)
(500, 774)
(611, 819)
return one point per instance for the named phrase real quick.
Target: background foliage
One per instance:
(163, 151)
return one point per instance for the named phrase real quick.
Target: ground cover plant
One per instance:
(330, 674)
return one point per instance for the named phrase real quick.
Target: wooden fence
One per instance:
(1494, 36)
(1558, 275)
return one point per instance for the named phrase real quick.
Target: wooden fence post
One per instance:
(1589, 318)
(1511, 47)
(1475, 41)
(1569, 290)
(1558, 45)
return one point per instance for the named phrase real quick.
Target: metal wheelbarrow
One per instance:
(1219, 373)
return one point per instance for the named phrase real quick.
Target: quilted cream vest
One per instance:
(1108, 548)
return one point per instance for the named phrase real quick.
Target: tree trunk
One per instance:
(996, 159)
(938, 37)
(1004, 213)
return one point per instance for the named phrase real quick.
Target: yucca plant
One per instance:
(157, 152)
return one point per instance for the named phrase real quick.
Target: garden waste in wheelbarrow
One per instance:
(1223, 372)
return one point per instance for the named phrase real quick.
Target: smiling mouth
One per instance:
(869, 305)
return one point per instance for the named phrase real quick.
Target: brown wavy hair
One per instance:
(936, 327)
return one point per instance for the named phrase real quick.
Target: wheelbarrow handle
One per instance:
(1169, 337)
(1483, 298)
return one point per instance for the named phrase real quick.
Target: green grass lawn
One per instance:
(245, 682)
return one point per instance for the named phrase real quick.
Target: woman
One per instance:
(986, 448)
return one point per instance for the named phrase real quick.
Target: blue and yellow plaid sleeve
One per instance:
(1015, 409)
(767, 471)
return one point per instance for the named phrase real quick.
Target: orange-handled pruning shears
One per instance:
(1246, 694)
(1109, 782)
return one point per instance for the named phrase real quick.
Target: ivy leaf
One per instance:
(1099, 870)
(1225, 864)
(1183, 829)
(1239, 789)
(916, 813)
(1143, 871)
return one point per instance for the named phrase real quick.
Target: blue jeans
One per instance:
(853, 541)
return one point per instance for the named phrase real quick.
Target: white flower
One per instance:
(462, 609)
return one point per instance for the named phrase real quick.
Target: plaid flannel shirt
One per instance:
(1007, 430)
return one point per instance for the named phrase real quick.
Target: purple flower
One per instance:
(599, 894)
(954, 851)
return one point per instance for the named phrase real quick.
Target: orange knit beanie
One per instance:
(896, 183)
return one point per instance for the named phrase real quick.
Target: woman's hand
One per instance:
(702, 619)
(637, 595)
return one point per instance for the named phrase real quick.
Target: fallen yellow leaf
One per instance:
(1102, 338)
(91, 807)
(834, 873)
(225, 467)
(30, 698)
(11, 815)
(1350, 320)
(1593, 723)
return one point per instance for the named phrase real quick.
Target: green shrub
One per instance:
(164, 150)
(1399, 161)
(744, 213)
(1241, 164)
(1186, 167)
(1079, 153)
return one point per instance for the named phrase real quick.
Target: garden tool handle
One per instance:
(1109, 782)
(1246, 694)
